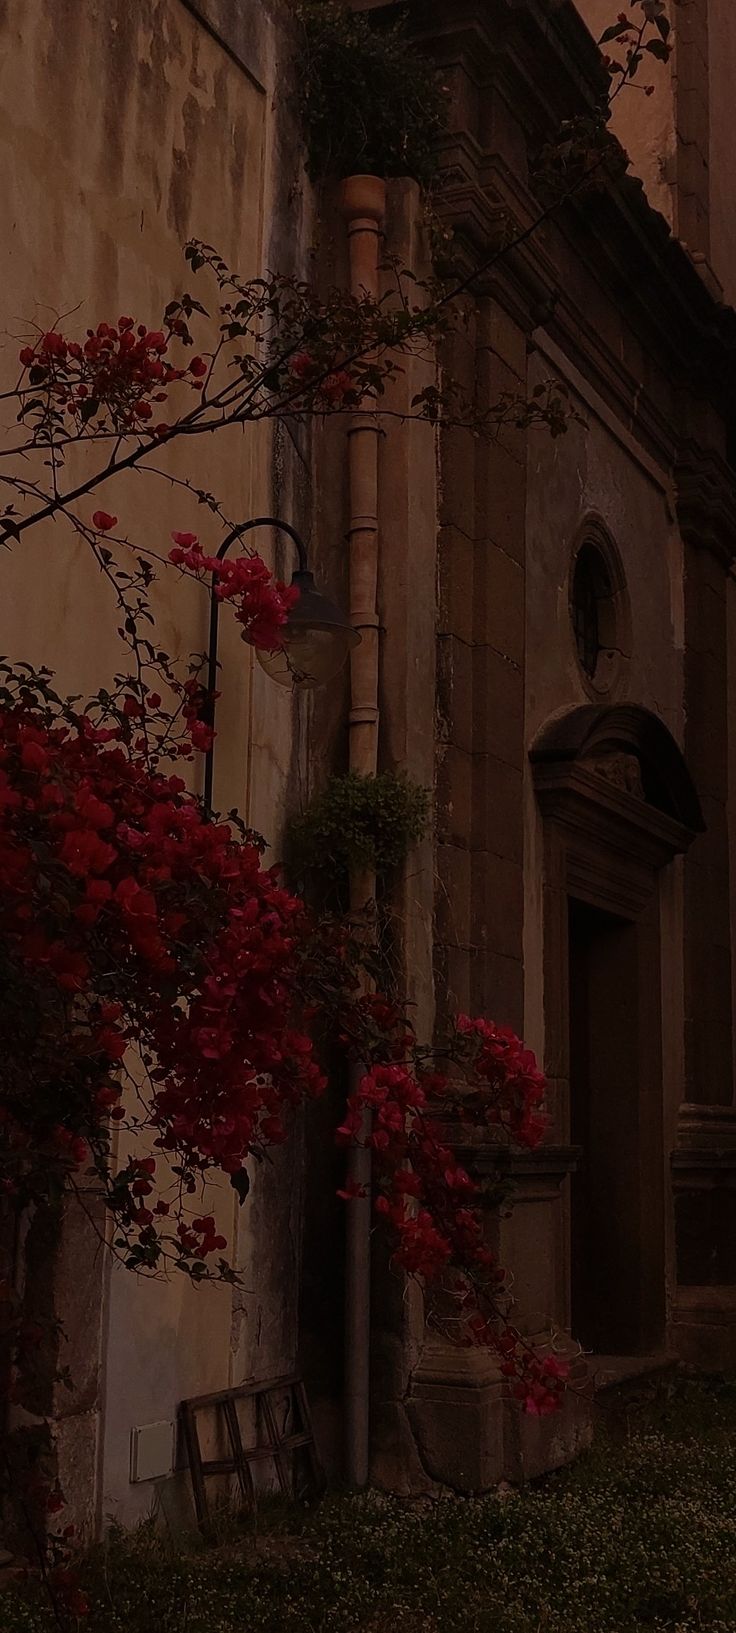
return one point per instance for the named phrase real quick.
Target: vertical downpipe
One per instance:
(363, 204)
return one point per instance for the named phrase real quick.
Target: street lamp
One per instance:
(317, 636)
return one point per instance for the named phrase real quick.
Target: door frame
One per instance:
(617, 805)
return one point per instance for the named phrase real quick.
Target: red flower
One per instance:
(301, 365)
(102, 520)
(54, 344)
(34, 757)
(84, 852)
(336, 387)
(201, 735)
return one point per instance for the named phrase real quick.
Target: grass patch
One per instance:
(639, 1535)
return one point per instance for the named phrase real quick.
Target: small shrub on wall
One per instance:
(357, 822)
(370, 103)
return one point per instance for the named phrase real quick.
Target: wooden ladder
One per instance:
(282, 1450)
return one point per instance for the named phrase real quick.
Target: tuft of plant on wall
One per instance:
(357, 822)
(371, 104)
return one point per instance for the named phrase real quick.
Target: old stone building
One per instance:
(556, 663)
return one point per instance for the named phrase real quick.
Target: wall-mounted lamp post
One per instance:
(316, 638)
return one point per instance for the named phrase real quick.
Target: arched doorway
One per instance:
(618, 805)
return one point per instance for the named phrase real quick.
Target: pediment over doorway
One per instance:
(617, 767)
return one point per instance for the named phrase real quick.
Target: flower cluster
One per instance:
(126, 916)
(334, 389)
(117, 376)
(405, 1110)
(261, 604)
(430, 1200)
(511, 1088)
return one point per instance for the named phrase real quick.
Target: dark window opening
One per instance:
(591, 600)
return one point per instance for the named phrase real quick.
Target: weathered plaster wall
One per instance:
(124, 130)
(645, 125)
(680, 140)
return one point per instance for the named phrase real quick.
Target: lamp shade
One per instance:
(316, 640)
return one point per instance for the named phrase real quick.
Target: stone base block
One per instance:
(396, 1465)
(534, 1446)
(75, 1440)
(470, 1436)
(459, 1434)
(704, 1327)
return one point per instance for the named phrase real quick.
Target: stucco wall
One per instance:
(645, 125)
(680, 140)
(124, 130)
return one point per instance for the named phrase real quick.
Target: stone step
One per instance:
(610, 1371)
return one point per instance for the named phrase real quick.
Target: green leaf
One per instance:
(658, 49)
(240, 1183)
(613, 32)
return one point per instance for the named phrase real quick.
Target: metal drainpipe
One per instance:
(363, 205)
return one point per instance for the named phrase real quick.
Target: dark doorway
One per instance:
(617, 1260)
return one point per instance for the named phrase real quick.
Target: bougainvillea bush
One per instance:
(162, 993)
(145, 945)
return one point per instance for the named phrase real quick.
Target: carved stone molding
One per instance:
(705, 1141)
(621, 770)
(706, 502)
(578, 798)
(588, 751)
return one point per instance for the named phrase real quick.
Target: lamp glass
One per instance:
(310, 656)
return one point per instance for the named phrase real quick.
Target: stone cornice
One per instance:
(524, 278)
(635, 256)
(544, 63)
(699, 1162)
(502, 39)
(584, 801)
(706, 1142)
(489, 1160)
